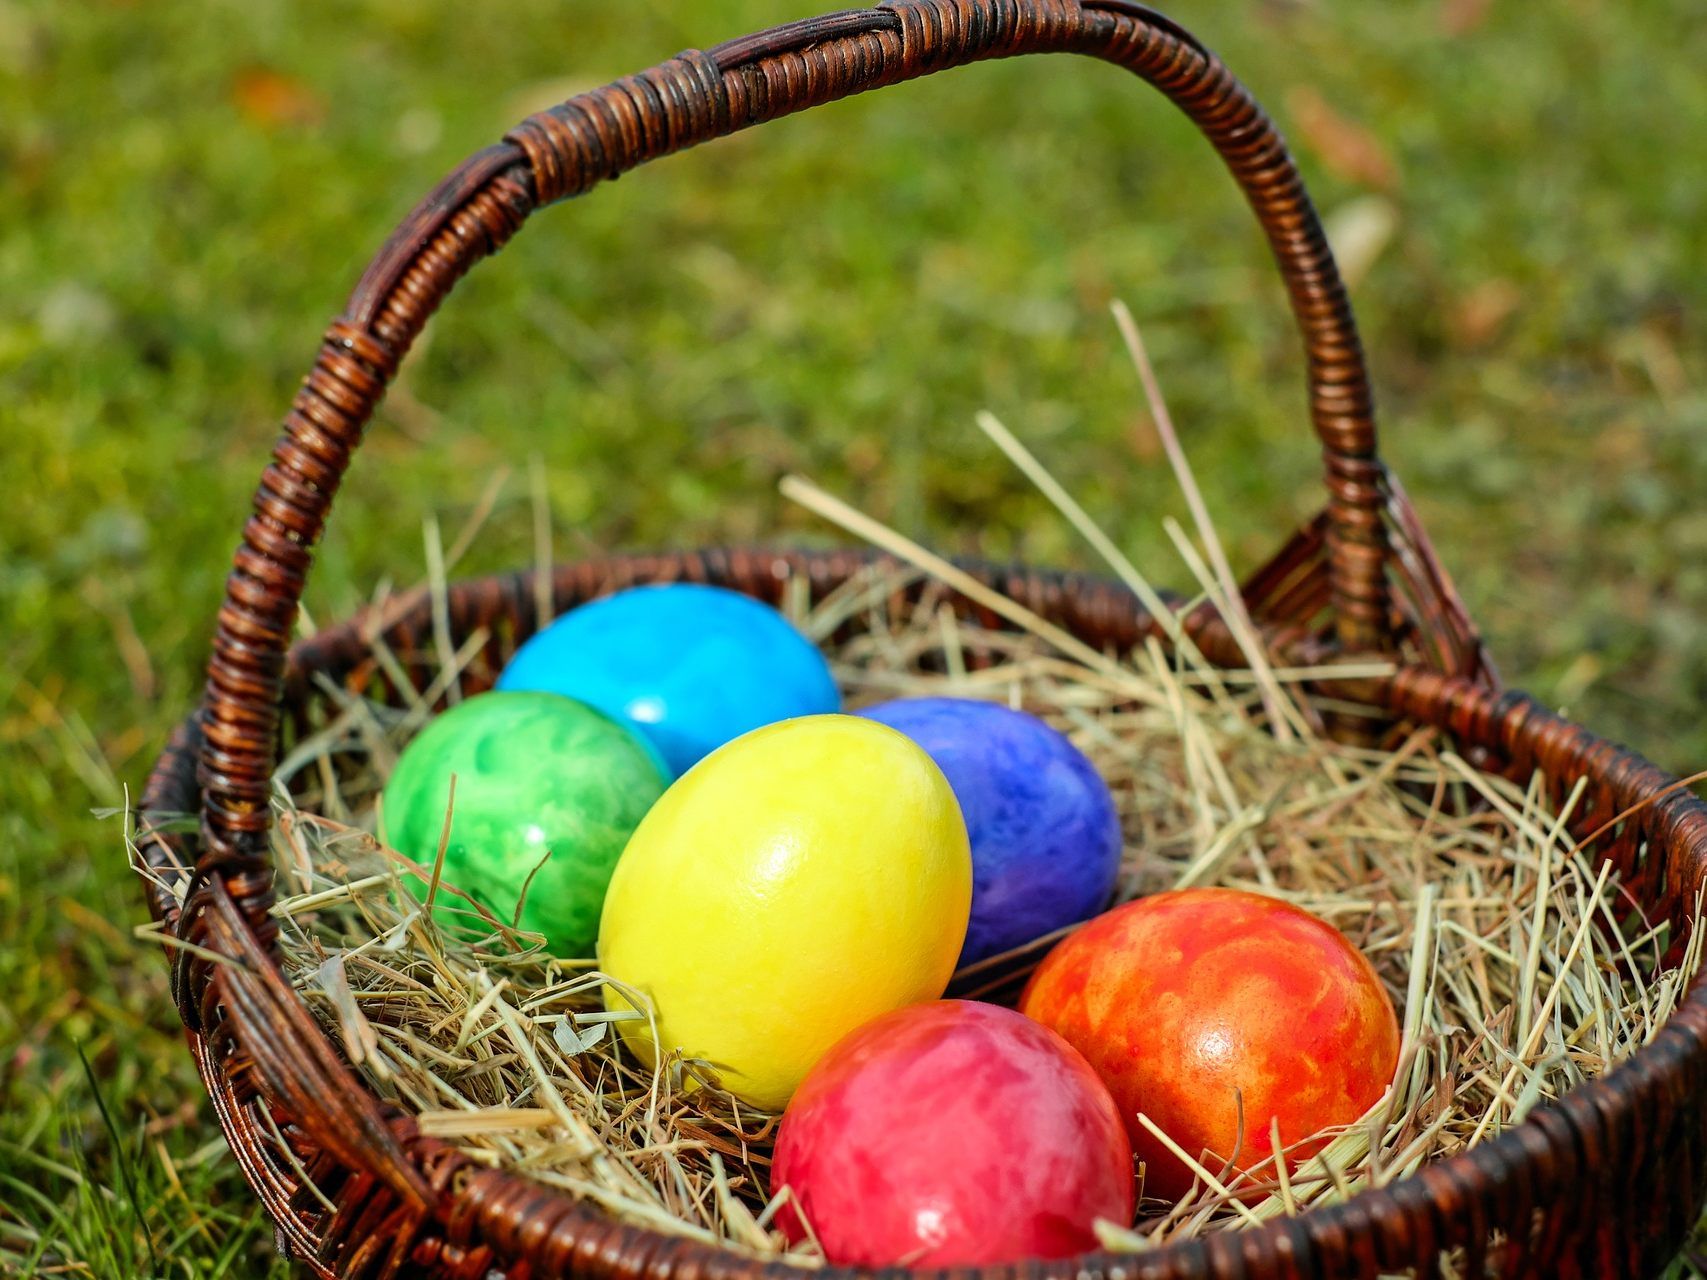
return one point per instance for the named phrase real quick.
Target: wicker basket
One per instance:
(1605, 1183)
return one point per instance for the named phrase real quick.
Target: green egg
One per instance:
(536, 774)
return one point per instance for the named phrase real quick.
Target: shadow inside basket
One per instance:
(1519, 965)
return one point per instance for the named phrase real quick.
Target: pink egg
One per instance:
(952, 1134)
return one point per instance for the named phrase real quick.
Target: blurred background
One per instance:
(188, 188)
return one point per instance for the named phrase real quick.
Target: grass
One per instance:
(190, 187)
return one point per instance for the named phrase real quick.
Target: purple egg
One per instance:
(1045, 835)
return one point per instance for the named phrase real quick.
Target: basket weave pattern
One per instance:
(1606, 1182)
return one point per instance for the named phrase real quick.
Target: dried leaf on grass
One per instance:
(1346, 148)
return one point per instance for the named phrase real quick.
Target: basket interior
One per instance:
(485, 620)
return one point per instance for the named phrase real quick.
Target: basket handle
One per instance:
(690, 99)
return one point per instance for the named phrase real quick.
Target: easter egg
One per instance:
(536, 775)
(951, 1134)
(794, 884)
(1188, 1002)
(689, 666)
(1045, 835)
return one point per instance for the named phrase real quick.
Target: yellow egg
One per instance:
(790, 887)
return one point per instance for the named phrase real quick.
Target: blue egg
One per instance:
(1045, 835)
(687, 666)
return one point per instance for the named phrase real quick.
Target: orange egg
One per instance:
(1193, 1003)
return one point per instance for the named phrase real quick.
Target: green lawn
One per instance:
(188, 187)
